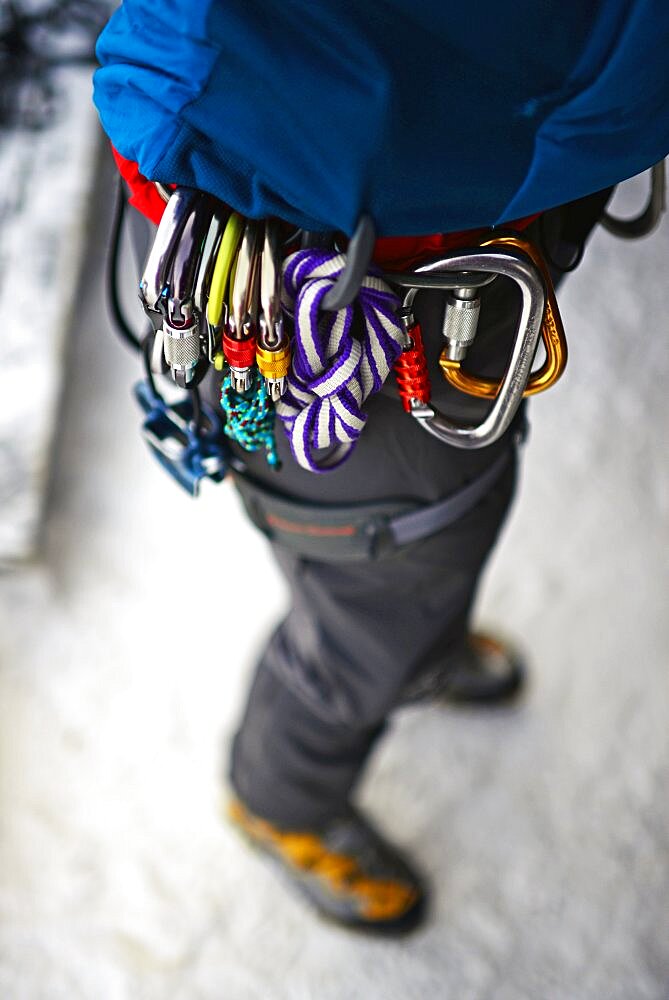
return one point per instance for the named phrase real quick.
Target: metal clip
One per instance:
(239, 340)
(207, 261)
(273, 347)
(189, 455)
(181, 326)
(217, 310)
(154, 277)
(461, 320)
(517, 265)
(552, 334)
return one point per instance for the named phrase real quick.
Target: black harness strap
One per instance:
(356, 532)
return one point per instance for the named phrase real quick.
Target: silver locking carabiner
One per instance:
(154, 277)
(239, 340)
(182, 321)
(273, 347)
(487, 263)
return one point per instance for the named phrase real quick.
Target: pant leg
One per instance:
(357, 633)
(337, 665)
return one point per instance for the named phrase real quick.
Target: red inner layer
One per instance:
(392, 252)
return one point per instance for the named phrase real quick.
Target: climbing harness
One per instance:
(647, 220)
(362, 531)
(215, 294)
(309, 338)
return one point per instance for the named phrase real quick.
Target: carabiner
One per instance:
(217, 314)
(239, 339)
(186, 261)
(207, 261)
(273, 347)
(181, 324)
(517, 265)
(160, 256)
(552, 334)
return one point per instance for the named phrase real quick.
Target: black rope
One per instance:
(198, 415)
(123, 327)
(146, 348)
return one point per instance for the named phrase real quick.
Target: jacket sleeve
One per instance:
(433, 117)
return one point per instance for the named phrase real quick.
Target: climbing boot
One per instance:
(343, 868)
(480, 670)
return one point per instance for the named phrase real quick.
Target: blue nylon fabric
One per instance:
(433, 117)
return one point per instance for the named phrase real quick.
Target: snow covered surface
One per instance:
(45, 182)
(543, 828)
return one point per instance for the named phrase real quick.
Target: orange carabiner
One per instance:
(552, 335)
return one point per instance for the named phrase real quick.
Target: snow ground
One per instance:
(544, 828)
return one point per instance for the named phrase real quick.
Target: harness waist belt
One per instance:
(356, 532)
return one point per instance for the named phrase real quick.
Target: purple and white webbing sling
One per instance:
(333, 370)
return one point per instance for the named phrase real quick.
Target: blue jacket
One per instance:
(432, 116)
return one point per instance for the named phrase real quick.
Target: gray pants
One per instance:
(358, 634)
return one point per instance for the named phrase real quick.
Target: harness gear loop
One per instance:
(645, 223)
(358, 259)
(552, 335)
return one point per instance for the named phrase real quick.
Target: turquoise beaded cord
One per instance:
(249, 418)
